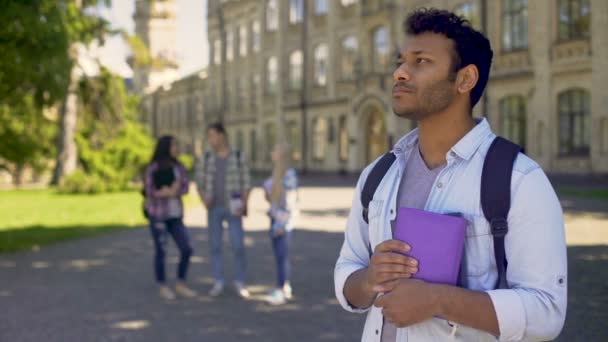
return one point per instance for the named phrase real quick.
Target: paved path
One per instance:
(101, 289)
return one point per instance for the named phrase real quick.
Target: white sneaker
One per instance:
(217, 289)
(241, 290)
(276, 297)
(288, 291)
(184, 291)
(166, 293)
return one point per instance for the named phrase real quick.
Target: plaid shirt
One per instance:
(158, 208)
(238, 178)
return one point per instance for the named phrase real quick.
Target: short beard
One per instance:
(432, 99)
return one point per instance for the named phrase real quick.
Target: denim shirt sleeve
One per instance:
(354, 254)
(534, 306)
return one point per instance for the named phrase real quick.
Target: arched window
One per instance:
(349, 57)
(574, 122)
(513, 123)
(319, 137)
(321, 57)
(574, 19)
(381, 48)
(272, 15)
(514, 24)
(295, 70)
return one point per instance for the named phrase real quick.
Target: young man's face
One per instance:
(215, 139)
(423, 80)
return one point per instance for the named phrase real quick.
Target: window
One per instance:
(243, 41)
(514, 24)
(295, 140)
(381, 48)
(349, 57)
(319, 137)
(574, 122)
(271, 139)
(348, 2)
(272, 15)
(255, 85)
(240, 93)
(271, 75)
(217, 52)
(229, 45)
(253, 149)
(320, 67)
(321, 7)
(255, 28)
(574, 19)
(296, 11)
(240, 140)
(513, 123)
(469, 11)
(295, 70)
(343, 139)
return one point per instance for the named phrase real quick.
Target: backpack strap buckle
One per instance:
(366, 215)
(500, 227)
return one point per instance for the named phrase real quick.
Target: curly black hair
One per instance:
(471, 46)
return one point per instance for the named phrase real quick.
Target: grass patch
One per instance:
(32, 218)
(601, 194)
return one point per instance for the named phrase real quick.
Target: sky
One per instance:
(191, 37)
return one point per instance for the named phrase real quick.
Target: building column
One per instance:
(333, 45)
(599, 91)
(542, 121)
(283, 69)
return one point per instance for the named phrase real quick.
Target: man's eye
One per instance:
(421, 60)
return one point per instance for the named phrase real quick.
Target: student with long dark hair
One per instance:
(166, 181)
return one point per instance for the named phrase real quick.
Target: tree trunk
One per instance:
(18, 176)
(67, 153)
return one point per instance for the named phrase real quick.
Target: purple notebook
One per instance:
(437, 241)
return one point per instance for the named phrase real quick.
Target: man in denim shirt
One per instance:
(441, 73)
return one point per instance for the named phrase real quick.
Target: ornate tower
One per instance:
(155, 24)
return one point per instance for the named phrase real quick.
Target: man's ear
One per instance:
(467, 78)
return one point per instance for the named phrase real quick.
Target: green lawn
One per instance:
(601, 194)
(32, 218)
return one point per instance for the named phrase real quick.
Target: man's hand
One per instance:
(411, 301)
(387, 266)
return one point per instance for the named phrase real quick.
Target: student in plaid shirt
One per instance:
(166, 181)
(223, 182)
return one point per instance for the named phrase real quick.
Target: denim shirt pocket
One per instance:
(478, 254)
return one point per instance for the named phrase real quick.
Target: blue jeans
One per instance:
(216, 217)
(176, 228)
(280, 247)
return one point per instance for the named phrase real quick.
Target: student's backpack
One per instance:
(495, 193)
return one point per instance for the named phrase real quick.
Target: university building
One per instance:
(320, 74)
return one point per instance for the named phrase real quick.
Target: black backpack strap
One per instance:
(496, 196)
(373, 180)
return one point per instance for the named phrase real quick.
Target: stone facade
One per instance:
(320, 74)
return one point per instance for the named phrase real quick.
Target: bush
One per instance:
(187, 160)
(82, 183)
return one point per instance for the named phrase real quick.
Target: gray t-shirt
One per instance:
(414, 190)
(219, 182)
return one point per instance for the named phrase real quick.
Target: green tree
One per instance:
(112, 146)
(26, 138)
(40, 40)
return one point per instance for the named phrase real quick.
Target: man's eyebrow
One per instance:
(415, 52)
